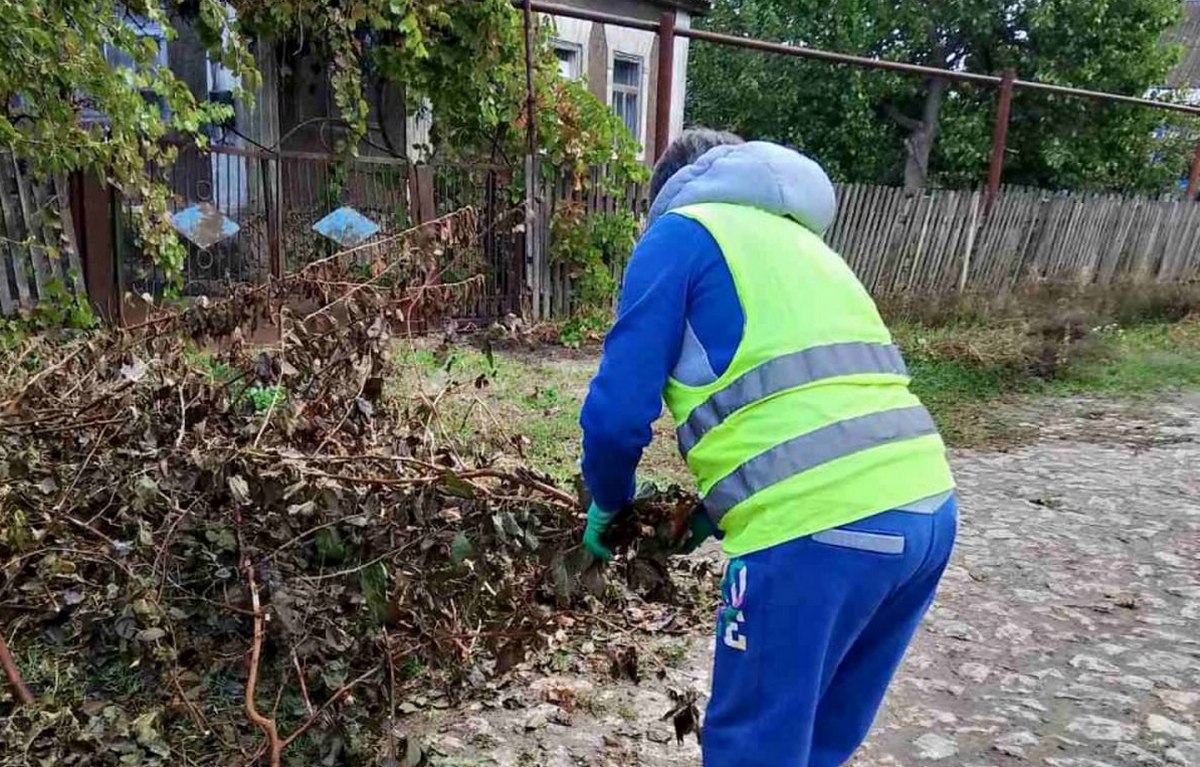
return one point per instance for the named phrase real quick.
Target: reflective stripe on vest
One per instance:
(813, 449)
(789, 372)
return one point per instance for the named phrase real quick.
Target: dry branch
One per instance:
(14, 674)
(274, 744)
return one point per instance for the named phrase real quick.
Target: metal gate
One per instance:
(244, 215)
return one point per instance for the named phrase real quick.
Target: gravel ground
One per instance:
(1066, 633)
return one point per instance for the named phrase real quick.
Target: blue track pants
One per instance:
(810, 633)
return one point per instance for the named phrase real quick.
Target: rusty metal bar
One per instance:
(530, 95)
(666, 75)
(999, 139)
(837, 58)
(555, 9)
(1194, 178)
(569, 12)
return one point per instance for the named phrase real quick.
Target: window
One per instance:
(569, 58)
(119, 59)
(627, 92)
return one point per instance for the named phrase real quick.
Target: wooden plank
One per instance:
(1072, 246)
(874, 253)
(867, 199)
(868, 223)
(42, 222)
(972, 222)
(833, 238)
(1140, 269)
(1037, 208)
(74, 267)
(1127, 217)
(1097, 231)
(1014, 219)
(947, 224)
(1191, 257)
(854, 201)
(915, 213)
(1027, 206)
(888, 208)
(949, 265)
(1183, 241)
(850, 222)
(8, 302)
(893, 221)
(14, 222)
(1089, 223)
(1044, 243)
(922, 238)
(918, 271)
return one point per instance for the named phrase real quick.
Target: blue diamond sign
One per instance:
(204, 224)
(347, 227)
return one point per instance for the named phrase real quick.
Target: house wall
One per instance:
(602, 43)
(598, 71)
(302, 93)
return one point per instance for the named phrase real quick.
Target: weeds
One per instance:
(673, 654)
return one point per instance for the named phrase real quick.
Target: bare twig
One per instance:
(308, 706)
(197, 717)
(338, 694)
(274, 744)
(42, 374)
(391, 669)
(14, 675)
(552, 493)
(182, 418)
(385, 240)
(362, 384)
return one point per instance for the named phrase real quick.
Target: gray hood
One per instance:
(757, 174)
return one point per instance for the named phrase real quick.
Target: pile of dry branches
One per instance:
(217, 552)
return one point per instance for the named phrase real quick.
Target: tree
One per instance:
(829, 111)
(903, 128)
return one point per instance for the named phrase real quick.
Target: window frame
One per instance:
(576, 51)
(624, 90)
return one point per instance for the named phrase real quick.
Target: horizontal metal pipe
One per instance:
(570, 12)
(1116, 98)
(837, 58)
(555, 9)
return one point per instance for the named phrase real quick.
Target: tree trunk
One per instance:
(919, 143)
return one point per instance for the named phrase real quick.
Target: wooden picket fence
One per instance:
(38, 257)
(940, 241)
(548, 279)
(899, 243)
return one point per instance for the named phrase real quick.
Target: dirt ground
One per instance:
(1066, 633)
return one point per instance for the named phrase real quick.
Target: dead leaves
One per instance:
(684, 715)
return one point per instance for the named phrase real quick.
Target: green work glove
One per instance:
(598, 521)
(700, 529)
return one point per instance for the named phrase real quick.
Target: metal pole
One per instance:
(666, 75)
(1194, 178)
(999, 140)
(530, 96)
(600, 17)
(751, 43)
(531, 169)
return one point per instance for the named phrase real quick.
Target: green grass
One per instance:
(963, 374)
(1142, 360)
(526, 406)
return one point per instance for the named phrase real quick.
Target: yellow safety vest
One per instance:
(812, 426)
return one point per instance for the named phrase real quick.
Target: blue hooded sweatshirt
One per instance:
(679, 313)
